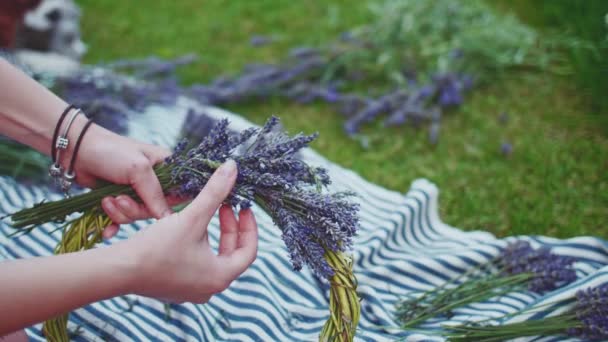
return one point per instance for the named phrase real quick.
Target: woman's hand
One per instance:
(173, 258)
(110, 157)
(29, 114)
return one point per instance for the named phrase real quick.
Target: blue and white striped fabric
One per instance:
(402, 248)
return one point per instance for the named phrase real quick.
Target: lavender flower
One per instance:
(110, 97)
(591, 310)
(549, 271)
(518, 265)
(587, 320)
(259, 40)
(286, 187)
(196, 126)
(506, 148)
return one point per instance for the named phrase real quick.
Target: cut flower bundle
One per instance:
(586, 319)
(518, 267)
(317, 227)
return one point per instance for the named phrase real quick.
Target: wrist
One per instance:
(72, 136)
(126, 265)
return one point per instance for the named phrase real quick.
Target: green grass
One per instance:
(582, 19)
(555, 182)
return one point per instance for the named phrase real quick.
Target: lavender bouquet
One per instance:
(586, 319)
(518, 267)
(317, 227)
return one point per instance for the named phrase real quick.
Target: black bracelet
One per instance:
(57, 127)
(70, 175)
(55, 169)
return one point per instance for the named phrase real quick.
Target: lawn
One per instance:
(554, 183)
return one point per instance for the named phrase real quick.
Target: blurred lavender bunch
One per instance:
(517, 268)
(285, 186)
(310, 74)
(110, 93)
(587, 319)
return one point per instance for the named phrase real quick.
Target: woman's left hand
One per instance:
(110, 157)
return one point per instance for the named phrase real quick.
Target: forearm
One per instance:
(37, 289)
(28, 111)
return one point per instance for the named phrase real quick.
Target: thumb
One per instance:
(200, 211)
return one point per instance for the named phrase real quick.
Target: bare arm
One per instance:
(39, 288)
(29, 111)
(171, 259)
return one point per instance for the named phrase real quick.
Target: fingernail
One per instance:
(110, 206)
(166, 213)
(123, 203)
(228, 168)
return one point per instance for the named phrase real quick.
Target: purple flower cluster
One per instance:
(260, 81)
(592, 312)
(110, 92)
(197, 126)
(549, 271)
(272, 175)
(303, 78)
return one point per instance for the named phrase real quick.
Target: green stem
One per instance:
(489, 290)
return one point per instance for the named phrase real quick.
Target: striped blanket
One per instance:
(402, 249)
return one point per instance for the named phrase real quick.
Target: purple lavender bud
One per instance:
(426, 92)
(398, 117)
(549, 271)
(329, 94)
(467, 82)
(506, 148)
(303, 52)
(259, 40)
(591, 311)
(196, 126)
(367, 114)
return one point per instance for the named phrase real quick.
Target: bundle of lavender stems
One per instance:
(587, 320)
(317, 227)
(308, 75)
(518, 267)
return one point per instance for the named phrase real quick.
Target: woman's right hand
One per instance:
(172, 258)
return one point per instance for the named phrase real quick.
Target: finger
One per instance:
(155, 154)
(248, 232)
(110, 207)
(110, 231)
(202, 208)
(229, 227)
(247, 246)
(146, 185)
(131, 209)
(86, 181)
(174, 200)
